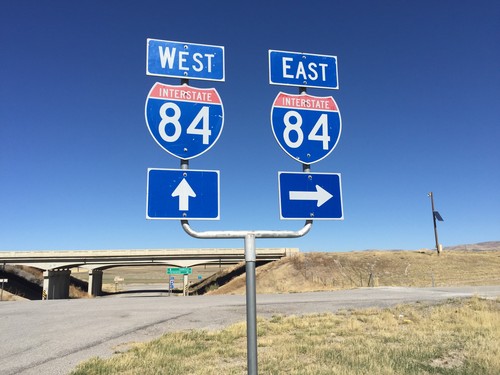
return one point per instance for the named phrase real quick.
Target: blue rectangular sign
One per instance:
(182, 194)
(303, 69)
(185, 60)
(307, 196)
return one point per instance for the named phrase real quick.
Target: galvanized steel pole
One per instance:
(251, 299)
(250, 260)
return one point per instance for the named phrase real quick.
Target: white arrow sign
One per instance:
(320, 195)
(183, 191)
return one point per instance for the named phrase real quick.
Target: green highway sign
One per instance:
(180, 271)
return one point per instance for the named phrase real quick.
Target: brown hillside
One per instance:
(330, 271)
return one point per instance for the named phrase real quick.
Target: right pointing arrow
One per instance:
(183, 191)
(320, 195)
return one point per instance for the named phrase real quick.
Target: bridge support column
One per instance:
(56, 284)
(95, 283)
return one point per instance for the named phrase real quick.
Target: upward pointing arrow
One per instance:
(183, 191)
(320, 195)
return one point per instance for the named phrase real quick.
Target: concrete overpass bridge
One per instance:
(57, 265)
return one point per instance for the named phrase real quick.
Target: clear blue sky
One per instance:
(419, 97)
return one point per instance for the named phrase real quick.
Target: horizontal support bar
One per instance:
(242, 233)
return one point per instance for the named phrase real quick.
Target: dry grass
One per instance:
(76, 292)
(456, 337)
(6, 296)
(330, 271)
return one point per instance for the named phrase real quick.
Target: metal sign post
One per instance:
(187, 121)
(250, 259)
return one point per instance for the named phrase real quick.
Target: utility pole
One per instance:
(435, 215)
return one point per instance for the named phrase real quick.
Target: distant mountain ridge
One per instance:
(481, 246)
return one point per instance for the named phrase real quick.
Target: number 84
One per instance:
(201, 118)
(293, 124)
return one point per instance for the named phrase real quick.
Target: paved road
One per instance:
(52, 337)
